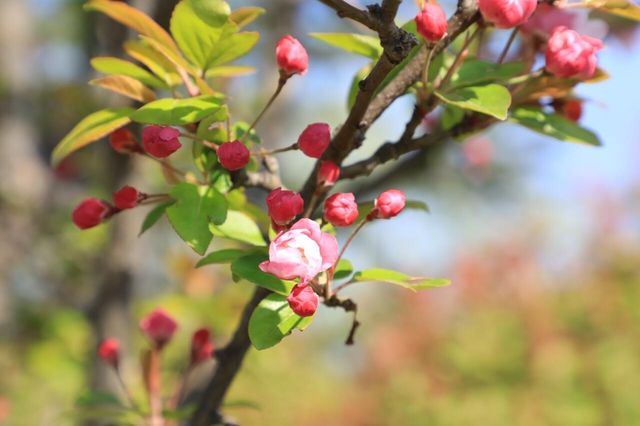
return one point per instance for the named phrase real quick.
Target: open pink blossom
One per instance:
(570, 54)
(301, 252)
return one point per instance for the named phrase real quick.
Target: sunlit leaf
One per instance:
(176, 112)
(230, 71)
(272, 320)
(240, 227)
(132, 18)
(213, 12)
(156, 62)
(194, 209)
(359, 44)
(233, 47)
(490, 99)
(243, 16)
(117, 66)
(476, 71)
(623, 8)
(553, 125)
(246, 267)
(126, 86)
(398, 278)
(93, 127)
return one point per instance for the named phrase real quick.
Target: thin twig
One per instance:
(507, 46)
(281, 82)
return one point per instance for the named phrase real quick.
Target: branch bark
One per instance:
(229, 362)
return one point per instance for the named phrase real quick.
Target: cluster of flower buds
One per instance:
(92, 212)
(301, 250)
(159, 328)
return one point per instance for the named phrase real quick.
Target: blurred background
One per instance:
(541, 239)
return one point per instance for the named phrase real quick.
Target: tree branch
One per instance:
(345, 10)
(229, 361)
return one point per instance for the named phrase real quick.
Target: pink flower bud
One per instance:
(284, 206)
(91, 212)
(160, 141)
(328, 174)
(571, 110)
(341, 209)
(389, 204)
(201, 346)
(507, 13)
(124, 142)
(570, 54)
(301, 252)
(315, 139)
(126, 198)
(109, 352)
(233, 155)
(291, 56)
(432, 22)
(303, 300)
(159, 327)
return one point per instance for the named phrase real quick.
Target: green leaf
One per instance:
(213, 12)
(400, 279)
(194, 209)
(91, 128)
(125, 86)
(243, 16)
(553, 125)
(177, 112)
(233, 47)
(132, 18)
(240, 227)
(221, 256)
(359, 44)
(343, 269)
(365, 208)
(491, 99)
(451, 116)
(116, 66)
(475, 71)
(272, 320)
(197, 38)
(141, 51)
(154, 216)
(246, 267)
(229, 71)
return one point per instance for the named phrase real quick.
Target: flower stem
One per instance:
(199, 140)
(507, 46)
(459, 57)
(327, 290)
(281, 82)
(155, 399)
(264, 153)
(125, 389)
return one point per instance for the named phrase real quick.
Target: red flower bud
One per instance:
(201, 346)
(109, 351)
(570, 54)
(233, 155)
(126, 198)
(303, 300)
(314, 139)
(507, 13)
(91, 212)
(291, 56)
(159, 327)
(341, 209)
(389, 204)
(160, 141)
(432, 22)
(284, 206)
(572, 110)
(328, 174)
(124, 142)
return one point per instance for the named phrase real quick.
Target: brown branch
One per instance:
(345, 10)
(395, 44)
(229, 362)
